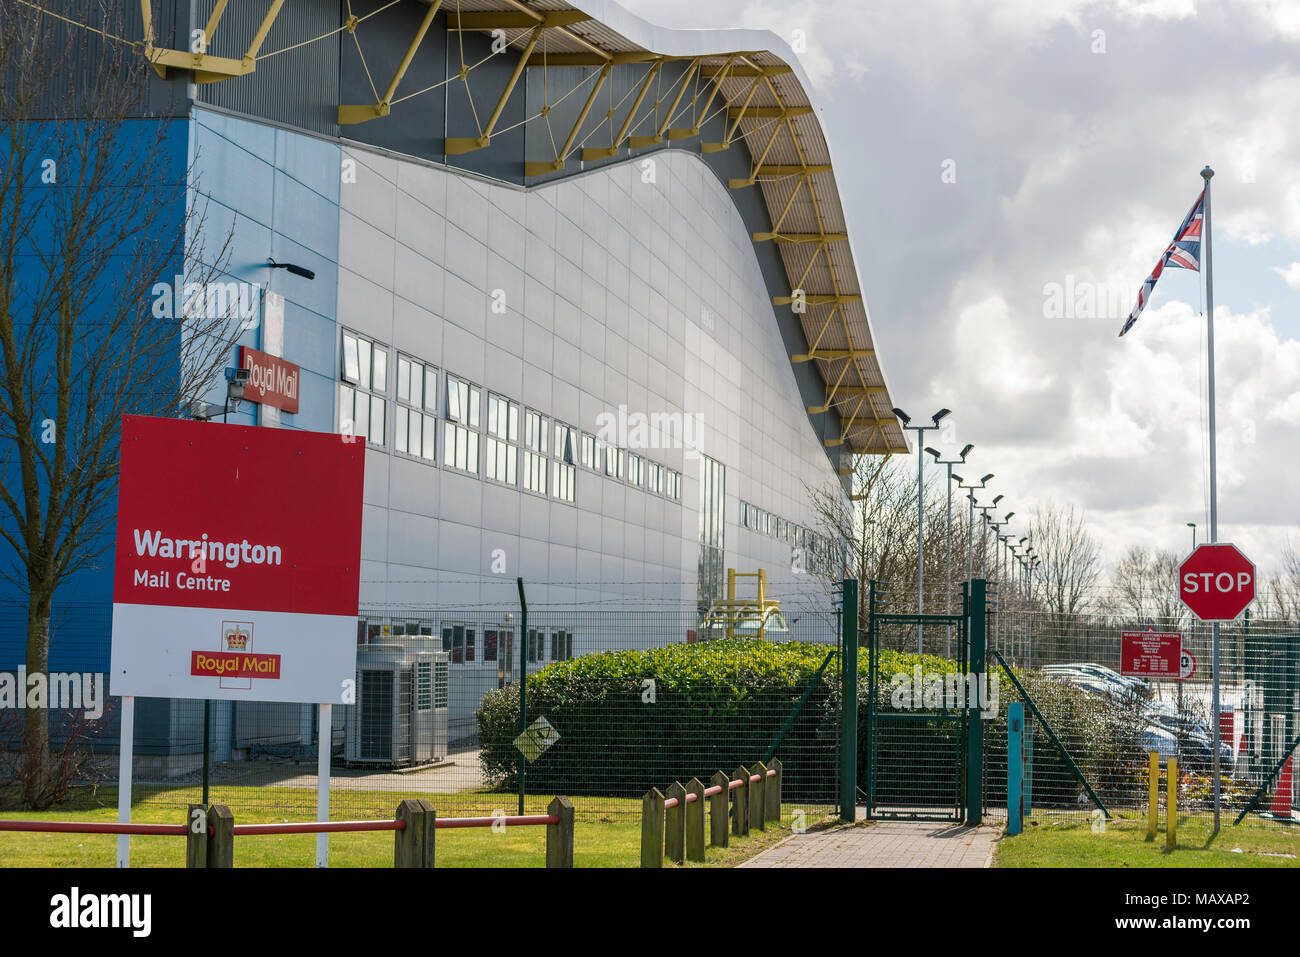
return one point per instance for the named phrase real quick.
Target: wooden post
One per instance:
(675, 825)
(221, 836)
(740, 805)
(559, 837)
(718, 810)
(756, 789)
(408, 842)
(196, 836)
(772, 796)
(1171, 805)
(1153, 794)
(695, 821)
(430, 832)
(652, 829)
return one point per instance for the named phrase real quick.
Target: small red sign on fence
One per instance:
(1151, 654)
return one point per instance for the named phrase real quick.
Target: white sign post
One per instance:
(236, 573)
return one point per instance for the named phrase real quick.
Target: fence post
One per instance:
(1153, 794)
(695, 821)
(740, 807)
(772, 797)
(221, 836)
(1171, 804)
(1015, 767)
(408, 841)
(849, 700)
(196, 836)
(675, 824)
(757, 789)
(559, 837)
(430, 832)
(976, 636)
(652, 829)
(718, 810)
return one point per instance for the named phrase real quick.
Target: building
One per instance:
(584, 284)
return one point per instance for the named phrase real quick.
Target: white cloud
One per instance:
(1290, 275)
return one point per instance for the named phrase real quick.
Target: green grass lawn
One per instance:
(610, 837)
(1123, 843)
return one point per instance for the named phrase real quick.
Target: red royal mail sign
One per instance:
(271, 380)
(236, 570)
(1150, 654)
(1216, 582)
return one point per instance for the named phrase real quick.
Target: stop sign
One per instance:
(1216, 582)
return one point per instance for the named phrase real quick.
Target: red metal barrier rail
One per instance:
(308, 827)
(89, 827)
(717, 789)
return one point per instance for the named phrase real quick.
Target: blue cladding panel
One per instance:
(80, 615)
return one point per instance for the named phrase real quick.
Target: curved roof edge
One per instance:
(873, 416)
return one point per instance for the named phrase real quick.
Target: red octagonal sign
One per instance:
(1216, 582)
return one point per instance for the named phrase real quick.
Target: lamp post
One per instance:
(998, 538)
(970, 493)
(948, 586)
(984, 535)
(1192, 526)
(920, 430)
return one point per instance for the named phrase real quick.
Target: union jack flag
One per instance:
(1184, 252)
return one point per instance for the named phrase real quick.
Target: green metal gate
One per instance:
(924, 740)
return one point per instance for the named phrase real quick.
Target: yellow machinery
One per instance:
(746, 617)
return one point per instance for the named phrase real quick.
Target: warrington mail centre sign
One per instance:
(237, 562)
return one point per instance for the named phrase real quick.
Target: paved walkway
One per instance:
(884, 844)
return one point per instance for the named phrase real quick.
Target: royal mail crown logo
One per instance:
(236, 637)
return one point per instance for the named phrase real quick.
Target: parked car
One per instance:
(1157, 739)
(1197, 742)
(1139, 685)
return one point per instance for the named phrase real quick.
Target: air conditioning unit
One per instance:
(400, 715)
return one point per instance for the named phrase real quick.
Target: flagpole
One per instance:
(1206, 174)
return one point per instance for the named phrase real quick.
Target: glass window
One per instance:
(362, 403)
(502, 439)
(460, 432)
(413, 430)
(351, 365)
(588, 451)
(534, 452)
(564, 469)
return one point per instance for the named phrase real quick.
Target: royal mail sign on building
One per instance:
(237, 562)
(271, 380)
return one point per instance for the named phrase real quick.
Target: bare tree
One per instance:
(94, 214)
(1145, 587)
(1071, 563)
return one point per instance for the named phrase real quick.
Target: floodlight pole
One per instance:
(948, 587)
(1207, 174)
(920, 528)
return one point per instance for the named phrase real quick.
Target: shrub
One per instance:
(716, 705)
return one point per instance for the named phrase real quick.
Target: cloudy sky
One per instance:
(1077, 130)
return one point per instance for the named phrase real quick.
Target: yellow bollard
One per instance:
(1153, 795)
(1171, 799)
